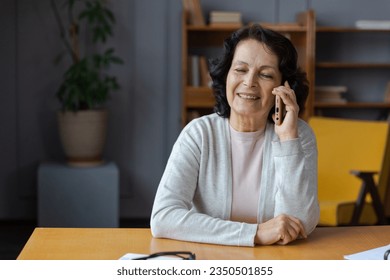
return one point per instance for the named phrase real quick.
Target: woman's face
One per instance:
(252, 76)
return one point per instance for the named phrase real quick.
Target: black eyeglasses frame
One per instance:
(189, 255)
(386, 255)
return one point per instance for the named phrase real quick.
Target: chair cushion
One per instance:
(335, 213)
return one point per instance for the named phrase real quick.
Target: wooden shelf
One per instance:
(199, 97)
(358, 105)
(208, 28)
(206, 36)
(351, 65)
(285, 27)
(347, 29)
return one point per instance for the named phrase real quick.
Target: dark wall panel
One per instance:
(8, 112)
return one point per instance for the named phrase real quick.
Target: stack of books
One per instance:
(373, 24)
(222, 18)
(332, 94)
(198, 72)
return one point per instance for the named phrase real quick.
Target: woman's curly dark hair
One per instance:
(279, 45)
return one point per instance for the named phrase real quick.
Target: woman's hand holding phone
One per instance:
(286, 112)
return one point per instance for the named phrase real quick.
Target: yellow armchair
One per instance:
(353, 170)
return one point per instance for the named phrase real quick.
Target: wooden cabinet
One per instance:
(208, 41)
(358, 59)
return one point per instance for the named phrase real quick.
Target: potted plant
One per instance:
(86, 84)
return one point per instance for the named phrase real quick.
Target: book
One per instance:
(332, 94)
(339, 89)
(194, 10)
(387, 93)
(218, 18)
(331, 100)
(205, 79)
(373, 24)
(233, 25)
(194, 70)
(198, 71)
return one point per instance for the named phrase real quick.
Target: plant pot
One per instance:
(83, 136)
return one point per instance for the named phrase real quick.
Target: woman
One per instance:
(234, 177)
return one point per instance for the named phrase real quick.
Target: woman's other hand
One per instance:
(280, 230)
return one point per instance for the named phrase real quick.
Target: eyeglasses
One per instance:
(183, 255)
(386, 255)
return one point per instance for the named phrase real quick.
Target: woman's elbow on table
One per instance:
(155, 227)
(158, 227)
(312, 220)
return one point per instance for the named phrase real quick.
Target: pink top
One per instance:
(247, 155)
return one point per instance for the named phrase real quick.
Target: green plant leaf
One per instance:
(109, 15)
(86, 83)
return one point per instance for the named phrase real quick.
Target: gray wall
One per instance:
(144, 115)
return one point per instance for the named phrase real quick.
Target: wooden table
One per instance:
(330, 243)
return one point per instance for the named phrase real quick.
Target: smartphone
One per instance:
(280, 110)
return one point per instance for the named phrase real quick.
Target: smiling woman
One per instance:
(234, 177)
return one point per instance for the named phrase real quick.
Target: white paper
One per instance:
(373, 254)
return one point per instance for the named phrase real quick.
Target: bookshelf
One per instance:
(198, 100)
(356, 65)
(202, 39)
(365, 75)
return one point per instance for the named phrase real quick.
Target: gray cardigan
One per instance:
(194, 197)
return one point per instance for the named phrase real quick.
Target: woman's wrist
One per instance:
(257, 239)
(288, 137)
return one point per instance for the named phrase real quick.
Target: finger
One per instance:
(294, 226)
(303, 232)
(285, 238)
(282, 242)
(290, 92)
(299, 226)
(293, 231)
(285, 93)
(288, 230)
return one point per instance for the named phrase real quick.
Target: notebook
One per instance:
(372, 254)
